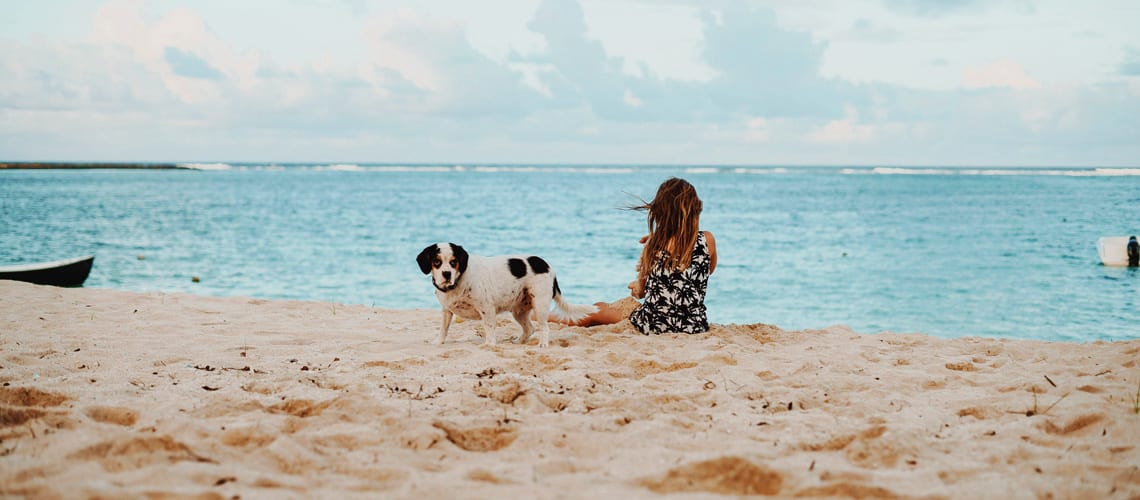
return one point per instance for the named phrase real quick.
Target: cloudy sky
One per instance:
(763, 82)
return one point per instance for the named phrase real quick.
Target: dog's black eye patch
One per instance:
(427, 257)
(518, 267)
(538, 265)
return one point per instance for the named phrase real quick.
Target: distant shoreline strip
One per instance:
(86, 166)
(595, 169)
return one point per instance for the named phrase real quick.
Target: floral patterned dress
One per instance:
(675, 300)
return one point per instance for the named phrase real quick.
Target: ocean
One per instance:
(950, 252)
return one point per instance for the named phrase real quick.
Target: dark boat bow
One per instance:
(70, 272)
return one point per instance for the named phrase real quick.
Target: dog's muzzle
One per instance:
(446, 288)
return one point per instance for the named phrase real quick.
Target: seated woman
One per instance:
(673, 271)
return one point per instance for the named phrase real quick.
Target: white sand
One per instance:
(111, 394)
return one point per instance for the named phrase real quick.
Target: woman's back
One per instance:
(675, 300)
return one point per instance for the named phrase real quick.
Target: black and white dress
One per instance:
(675, 300)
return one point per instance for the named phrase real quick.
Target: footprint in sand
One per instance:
(478, 438)
(847, 490)
(117, 455)
(963, 366)
(868, 448)
(505, 391)
(30, 396)
(979, 412)
(19, 405)
(724, 475)
(247, 437)
(486, 477)
(113, 415)
(302, 408)
(1073, 426)
(11, 417)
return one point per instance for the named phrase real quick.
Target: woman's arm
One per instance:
(711, 242)
(637, 286)
(636, 289)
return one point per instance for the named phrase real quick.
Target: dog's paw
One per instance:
(437, 341)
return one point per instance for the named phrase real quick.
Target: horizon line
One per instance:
(189, 165)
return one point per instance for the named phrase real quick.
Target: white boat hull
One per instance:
(1113, 250)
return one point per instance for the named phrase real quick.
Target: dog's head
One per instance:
(446, 262)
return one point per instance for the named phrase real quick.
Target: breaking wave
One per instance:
(673, 169)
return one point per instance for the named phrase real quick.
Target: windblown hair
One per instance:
(674, 219)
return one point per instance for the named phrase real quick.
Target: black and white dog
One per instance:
(474, 287)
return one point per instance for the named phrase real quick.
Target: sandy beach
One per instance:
(116, 394)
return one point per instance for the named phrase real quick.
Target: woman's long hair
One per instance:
(674, 219)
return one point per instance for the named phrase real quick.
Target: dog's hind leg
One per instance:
(523, 317)
(541, 314)
(443, 327)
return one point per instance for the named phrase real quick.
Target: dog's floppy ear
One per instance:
(460, 255)
(425, 257)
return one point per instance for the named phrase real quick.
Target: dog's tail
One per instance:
(566, 311)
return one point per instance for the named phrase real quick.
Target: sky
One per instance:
(733, 82)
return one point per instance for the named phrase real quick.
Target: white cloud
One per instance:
(123, 24)
(1131, 64)
(534, 76)
(631, 99)
(389, 38)
(757, 130)
(865, 31)
(1000, 73)
(152, 81)
(659, 39)
(847, 130)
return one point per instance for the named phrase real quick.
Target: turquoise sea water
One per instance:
(949, 252)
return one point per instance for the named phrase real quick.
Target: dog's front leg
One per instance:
(443, 327)
(488, 328)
